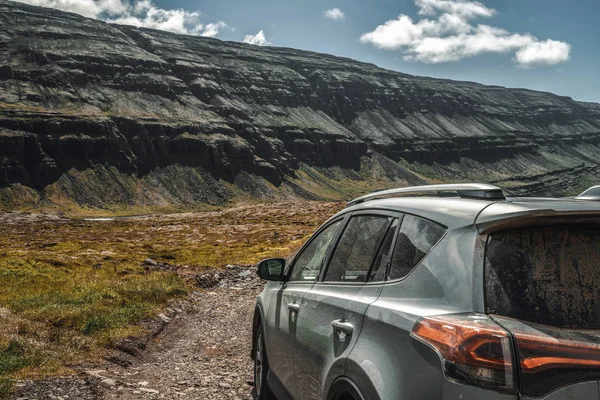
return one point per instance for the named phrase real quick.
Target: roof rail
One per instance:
(592, 193)
(464, 190)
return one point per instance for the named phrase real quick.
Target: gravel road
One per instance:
(202, 352)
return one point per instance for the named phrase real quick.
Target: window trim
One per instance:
(345, 218)
(488, 238)
(385, 213)
(394, 239)
(288, 273)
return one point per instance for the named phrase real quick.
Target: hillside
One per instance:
(100, 115)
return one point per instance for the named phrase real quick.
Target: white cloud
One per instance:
(450, 35)
(259, 39)
(549, 52)
(87, 8)
(464, 8)
(141, 13)
(212, 30)
(177, 21)
(335, 14)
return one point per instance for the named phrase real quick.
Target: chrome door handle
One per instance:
(293, 307)
(343, 325)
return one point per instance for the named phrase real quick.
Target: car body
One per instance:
(405, 296)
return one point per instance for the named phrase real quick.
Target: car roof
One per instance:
(454, 212)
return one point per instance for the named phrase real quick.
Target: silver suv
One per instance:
(454, 292)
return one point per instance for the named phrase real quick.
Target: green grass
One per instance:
(16, 355)
(83, 300)
(67, 314)
(70, 289)
(6, 388)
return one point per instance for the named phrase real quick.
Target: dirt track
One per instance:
(202, 353)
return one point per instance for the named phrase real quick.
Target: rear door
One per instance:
(331, 316)
(280, 329)
(543, 285)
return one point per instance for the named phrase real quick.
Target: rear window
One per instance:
(548, 275)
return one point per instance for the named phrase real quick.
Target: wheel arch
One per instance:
(344, 386)
(360, 378)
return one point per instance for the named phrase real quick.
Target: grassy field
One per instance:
(71, 288)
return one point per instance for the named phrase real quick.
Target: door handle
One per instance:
(293, 307)
(343, 325)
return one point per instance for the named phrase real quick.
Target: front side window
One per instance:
(416, 237)
(357, 248)
(309, 263)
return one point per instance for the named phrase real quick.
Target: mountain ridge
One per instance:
(101, 115)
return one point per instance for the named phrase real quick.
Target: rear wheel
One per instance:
(261, 391)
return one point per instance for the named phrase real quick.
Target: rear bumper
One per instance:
(579, 391)
(463, 392)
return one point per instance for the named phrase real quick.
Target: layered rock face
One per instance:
(97, 114)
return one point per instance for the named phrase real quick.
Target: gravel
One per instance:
(201, 352)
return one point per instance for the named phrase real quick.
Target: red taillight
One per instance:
(477, 349)
(473, 349)
(551, 357)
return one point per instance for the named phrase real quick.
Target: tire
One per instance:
(261, 390)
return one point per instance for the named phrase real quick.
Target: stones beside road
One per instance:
(201, 352)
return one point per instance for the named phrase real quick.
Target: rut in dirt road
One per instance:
(203, 353)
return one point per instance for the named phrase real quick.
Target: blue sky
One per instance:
(549, 45)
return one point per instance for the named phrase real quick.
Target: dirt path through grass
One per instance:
(74, 289)
(203, 353)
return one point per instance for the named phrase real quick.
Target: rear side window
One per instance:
(548, 275)
(357, 248)
(416, 237)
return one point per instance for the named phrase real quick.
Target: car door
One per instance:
(331, 315)
(411, 292)
(280, 329)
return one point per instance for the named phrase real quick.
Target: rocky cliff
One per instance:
(93, 114)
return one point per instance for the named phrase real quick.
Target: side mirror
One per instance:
(271, 269)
